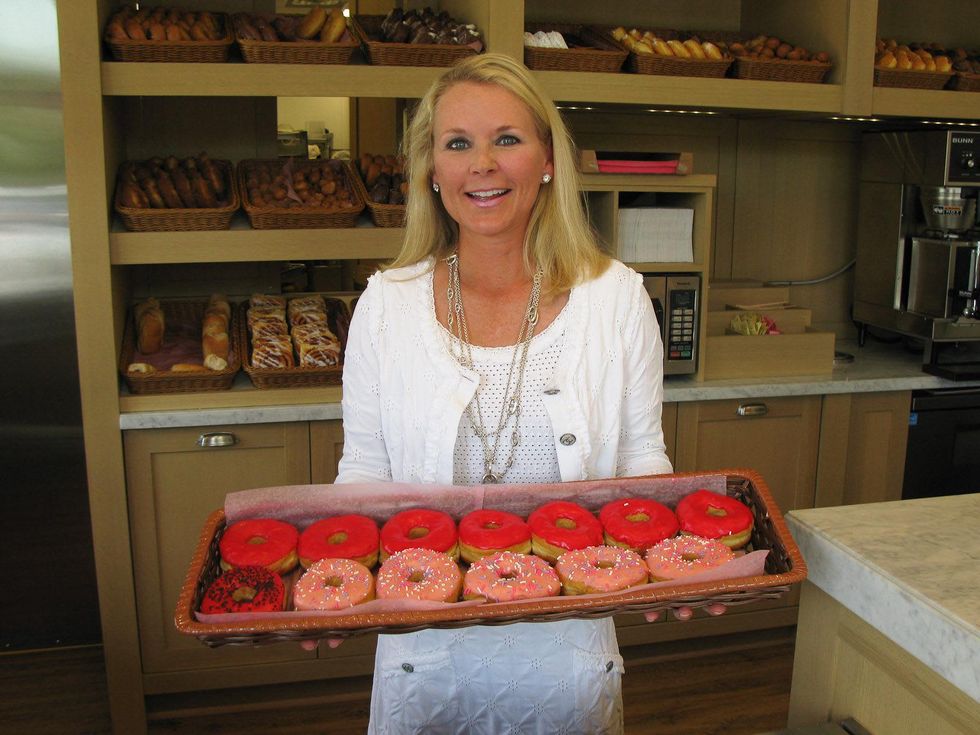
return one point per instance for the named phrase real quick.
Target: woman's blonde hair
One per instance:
(558, 238)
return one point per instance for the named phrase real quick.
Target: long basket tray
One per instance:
(383, 215)
(338, 319)
(784, 567)
(178, 52)
(781, 70)
(911, 78)
(278, 218)
(297, 52)
(601, 54)
(385, 53)
(182, 220)
(164, 381)
(964, 81)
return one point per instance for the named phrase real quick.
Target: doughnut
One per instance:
(507, 576)
(562, 526)
(333, 584)
(245, 589)
(712, 515)
(484, 532)
(340, 537)
(265, 542)
(682, 556)
(600, 569)
(419, 529)
(636, 523)
(419, 574)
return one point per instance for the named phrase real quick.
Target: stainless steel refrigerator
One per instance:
(45, 531)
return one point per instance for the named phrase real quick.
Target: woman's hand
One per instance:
(684, 612)
(312, 645)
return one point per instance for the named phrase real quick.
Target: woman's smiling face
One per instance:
(487, 160)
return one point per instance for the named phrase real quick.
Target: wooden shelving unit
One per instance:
(114, 110)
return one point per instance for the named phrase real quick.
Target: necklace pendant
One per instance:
(490, 479)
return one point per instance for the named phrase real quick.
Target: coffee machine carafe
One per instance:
(918, 251)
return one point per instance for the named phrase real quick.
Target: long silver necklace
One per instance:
(460, 348)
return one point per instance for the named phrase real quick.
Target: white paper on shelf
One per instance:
(656, 235)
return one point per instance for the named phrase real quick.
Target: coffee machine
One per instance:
(917, 270)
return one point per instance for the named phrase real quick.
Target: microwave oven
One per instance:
(677, 303)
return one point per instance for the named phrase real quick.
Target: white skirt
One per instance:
(561, 677)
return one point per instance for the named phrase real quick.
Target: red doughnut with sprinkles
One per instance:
(715, 516)
(349, 536)
(244, 589)
(485, 532)
(561, 526)
(420, 529)
(263, 542)
(637, 523)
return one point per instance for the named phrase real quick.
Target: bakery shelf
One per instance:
(242, 395)
(244, 244)
(925, 103)
(264, 80)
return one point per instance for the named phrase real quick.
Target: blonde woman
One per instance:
(502, 345)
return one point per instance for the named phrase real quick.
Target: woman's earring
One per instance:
(435, 187)
(546, 179)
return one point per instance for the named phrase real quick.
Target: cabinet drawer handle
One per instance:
(217, 439)
(753, 409)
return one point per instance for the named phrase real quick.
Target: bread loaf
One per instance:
(214, 333)
(150, 326)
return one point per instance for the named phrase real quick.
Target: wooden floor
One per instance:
(737, 685)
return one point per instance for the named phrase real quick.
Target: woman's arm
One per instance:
(365, 456)
(641, 443)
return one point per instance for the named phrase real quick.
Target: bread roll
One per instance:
(150, 326)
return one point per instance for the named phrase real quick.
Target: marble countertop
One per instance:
(909, 569)
(876, 368)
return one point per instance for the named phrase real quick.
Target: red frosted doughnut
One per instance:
(244, 589)
(637, 523)
(340, 537)
(485, 532)
(419, 529)
(263, 542)
(713, 515)
(562, 526)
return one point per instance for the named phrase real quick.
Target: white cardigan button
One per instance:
(567, 439)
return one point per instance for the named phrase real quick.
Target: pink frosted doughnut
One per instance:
(507, 576)
(600, 569)
(419, 574)
(333, 584)
(683, 556)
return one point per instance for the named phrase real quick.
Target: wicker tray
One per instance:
(601, 55)
(297, 52)
(780, 70)
(383, 53)
(189, 314)
(964, 81)
(338, 319)
(181, 220)
(277, 218)
(784, 567)
(184, 52)
(911, 78)
(383, 215)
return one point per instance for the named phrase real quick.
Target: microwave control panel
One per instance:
(681, 324)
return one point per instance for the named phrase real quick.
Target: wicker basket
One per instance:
(780, 70)
(181, 220)
(383, 215)
(297, 52)
(911, 78)
(338, 319)
(383, 53)
(784, 567)
(598, 52)
(178, 52)
(278, 218)
(674, 66)
(184, 318)
(964, 81)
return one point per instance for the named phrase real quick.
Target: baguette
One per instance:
(187, 367)
(333, 30)
(310, 26)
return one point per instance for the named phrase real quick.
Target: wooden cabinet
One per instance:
(326, 447)
(862, 448)
(173, 485)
